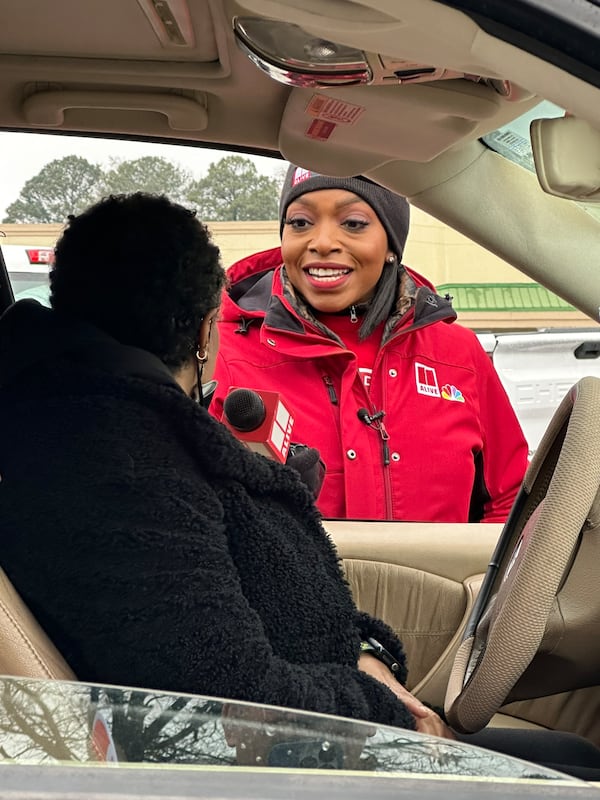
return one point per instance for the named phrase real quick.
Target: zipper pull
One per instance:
(330, 389)
(384, 443)
(353, 314)
(375, 421)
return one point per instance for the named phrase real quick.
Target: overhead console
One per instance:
(352, 109)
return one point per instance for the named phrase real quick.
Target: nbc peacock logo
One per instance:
(450, 392)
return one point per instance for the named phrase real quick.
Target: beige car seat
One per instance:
(25, 649)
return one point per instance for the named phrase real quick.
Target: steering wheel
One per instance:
(526, 636)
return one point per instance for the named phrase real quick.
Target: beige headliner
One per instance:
(99, 66)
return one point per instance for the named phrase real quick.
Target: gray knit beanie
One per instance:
(392, 209)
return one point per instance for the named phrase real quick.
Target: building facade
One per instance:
(488, 293)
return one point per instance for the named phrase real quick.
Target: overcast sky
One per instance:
(22, 156)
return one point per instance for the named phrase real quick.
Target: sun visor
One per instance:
(349, 130)
(566, 153)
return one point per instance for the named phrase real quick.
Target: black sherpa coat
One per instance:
(157, 551)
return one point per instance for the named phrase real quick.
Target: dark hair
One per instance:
(142, 269)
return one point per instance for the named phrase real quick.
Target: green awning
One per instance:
(503, 297)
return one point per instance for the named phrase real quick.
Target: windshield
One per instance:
(46, 177)
(52, 722)
(514, 142)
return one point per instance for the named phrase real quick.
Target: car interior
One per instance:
(409, 95)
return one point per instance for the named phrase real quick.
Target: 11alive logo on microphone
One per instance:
(265, 427)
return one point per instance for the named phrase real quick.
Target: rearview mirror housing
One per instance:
(566, 153)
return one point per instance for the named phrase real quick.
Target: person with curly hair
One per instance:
(153, 547)
(155, 286)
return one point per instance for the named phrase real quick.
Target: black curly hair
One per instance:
(142, 269)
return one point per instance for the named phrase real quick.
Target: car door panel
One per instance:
(423, 579)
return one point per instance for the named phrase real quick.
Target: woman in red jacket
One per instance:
(406, 408)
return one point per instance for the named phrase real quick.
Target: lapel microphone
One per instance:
(367, 418)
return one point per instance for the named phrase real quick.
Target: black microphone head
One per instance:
(244, 410)
(363, 415)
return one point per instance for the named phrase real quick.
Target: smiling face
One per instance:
(334, 248)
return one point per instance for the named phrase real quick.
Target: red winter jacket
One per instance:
(455, 451)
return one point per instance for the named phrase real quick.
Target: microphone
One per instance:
(367, 418)
(260, 420)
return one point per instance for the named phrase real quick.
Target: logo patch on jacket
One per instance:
(365, 375)
(450, 392)
(426, 380)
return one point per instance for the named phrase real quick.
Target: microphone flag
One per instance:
(260, 419)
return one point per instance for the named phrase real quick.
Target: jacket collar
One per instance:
(32, 335)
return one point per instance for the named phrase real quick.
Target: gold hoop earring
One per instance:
(202, 356)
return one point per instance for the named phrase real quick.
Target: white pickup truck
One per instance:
(536, 367)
